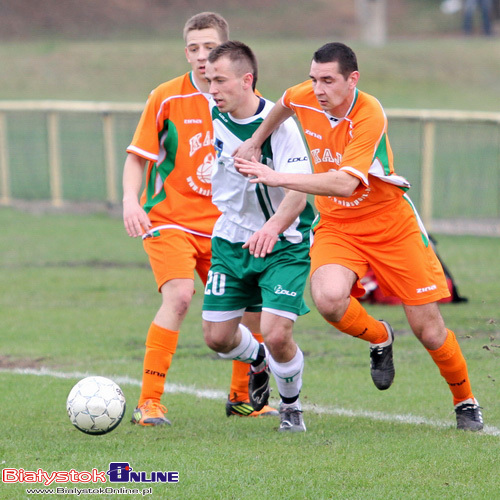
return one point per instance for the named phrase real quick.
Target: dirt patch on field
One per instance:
(9, 362)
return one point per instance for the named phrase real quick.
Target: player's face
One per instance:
(227, 87)
(333, 91)
(199, 43)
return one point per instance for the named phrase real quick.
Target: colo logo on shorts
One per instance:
(279, 290)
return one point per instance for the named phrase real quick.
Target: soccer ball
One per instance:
(95, 405)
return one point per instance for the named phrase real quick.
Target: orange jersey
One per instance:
(175, 134)
(357, 144)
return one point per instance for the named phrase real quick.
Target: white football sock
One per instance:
(247, 350)
(288, 375)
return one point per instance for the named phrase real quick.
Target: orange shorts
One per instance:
(393, 243)
(176, 254)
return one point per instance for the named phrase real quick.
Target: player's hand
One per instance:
(135, 219)
(260, 172)
(262, 242)
(247, 150)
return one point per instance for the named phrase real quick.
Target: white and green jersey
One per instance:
(246, 206)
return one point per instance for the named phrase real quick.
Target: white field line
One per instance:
(214, 394)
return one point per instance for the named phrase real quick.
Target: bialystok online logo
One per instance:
(119, 472)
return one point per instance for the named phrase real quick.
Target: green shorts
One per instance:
(238, 280)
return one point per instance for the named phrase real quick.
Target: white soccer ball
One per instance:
(96, 405)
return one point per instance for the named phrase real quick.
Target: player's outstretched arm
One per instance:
(135, 219)
(333, 183)
(252, 147)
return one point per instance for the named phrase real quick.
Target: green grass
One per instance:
(78, 298)
(461, 74)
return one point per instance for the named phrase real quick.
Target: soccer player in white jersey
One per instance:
(260, 243)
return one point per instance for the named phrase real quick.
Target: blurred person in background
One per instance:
(486, 10)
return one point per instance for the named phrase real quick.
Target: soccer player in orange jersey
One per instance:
(175, 215)
(365, 220)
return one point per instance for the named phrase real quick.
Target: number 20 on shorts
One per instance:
(216, 283)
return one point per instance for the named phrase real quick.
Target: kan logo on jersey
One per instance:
(325, 156)
(198, 141)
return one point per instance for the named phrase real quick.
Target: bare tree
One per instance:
(372, 19)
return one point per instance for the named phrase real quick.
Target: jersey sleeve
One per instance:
(289, 150)
(145, 142)
(298, 95)
(285, 99)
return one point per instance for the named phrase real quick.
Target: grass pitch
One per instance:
(78, 298)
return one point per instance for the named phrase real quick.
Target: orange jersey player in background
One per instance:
(365, 220)
(175, 215)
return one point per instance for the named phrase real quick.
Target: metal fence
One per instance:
(72, 151)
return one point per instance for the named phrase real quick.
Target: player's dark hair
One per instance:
(206, 20)
(340, 53)
(237, 52)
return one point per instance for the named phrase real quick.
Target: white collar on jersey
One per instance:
(335, 120)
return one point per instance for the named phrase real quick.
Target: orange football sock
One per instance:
(453, 368)
(238, 390)
(161, 344)
(358, 323)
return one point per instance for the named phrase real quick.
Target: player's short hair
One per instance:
(239, 53)
(340, 53)
(206, 20)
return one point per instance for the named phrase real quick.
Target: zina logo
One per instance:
(121, 472)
